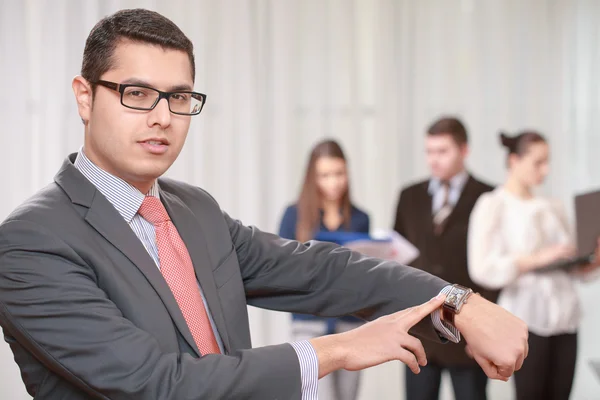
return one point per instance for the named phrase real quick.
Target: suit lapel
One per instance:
(425, 205)
(107, 221)
(190, 230)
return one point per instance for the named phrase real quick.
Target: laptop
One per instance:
(587, 219)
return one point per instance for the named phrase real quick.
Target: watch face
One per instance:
(455, 296)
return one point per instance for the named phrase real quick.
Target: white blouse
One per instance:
(503, 228)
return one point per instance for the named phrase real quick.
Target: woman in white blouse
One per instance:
(513, 235)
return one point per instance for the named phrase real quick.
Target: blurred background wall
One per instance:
(281, 74)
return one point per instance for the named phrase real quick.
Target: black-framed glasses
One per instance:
(145, 98)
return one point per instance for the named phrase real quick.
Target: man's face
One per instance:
(137, 146)
(445, 157)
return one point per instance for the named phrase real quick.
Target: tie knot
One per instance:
(153, 211)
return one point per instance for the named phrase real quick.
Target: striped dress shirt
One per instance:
(127, 200)
(457, 184)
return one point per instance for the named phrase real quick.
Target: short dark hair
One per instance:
(137, 25)
(449, 126)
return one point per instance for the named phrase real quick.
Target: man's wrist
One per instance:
(465, 317)
(331, 352)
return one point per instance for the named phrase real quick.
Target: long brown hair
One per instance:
(309, 202)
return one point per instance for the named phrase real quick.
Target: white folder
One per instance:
(389, 245)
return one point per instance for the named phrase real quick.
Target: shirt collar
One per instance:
(123, 196)
(457, 182)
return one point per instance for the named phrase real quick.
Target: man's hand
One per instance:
(376, 342)
(496, 339)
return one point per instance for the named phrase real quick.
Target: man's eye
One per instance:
(136, 93)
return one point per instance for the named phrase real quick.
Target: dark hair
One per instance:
(309, 203)
(137, 25)
(449, 126)
(519, 144)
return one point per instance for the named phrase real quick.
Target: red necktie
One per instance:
(178, 270)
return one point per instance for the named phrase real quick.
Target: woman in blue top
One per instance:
(324, 206)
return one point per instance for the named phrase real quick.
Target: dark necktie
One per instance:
(441, 216)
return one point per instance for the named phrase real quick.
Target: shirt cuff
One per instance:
(444, 329)
(309, 369)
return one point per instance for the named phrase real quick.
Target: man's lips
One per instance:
(155, 145)
(155, 141)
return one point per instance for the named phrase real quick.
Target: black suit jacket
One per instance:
(444, 255)
(88, 315)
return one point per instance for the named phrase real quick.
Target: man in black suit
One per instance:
(434, 216)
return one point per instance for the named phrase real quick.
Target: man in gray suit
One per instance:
(118, 284)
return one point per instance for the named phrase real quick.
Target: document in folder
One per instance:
(384, 244)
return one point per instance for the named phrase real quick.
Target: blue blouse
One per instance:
(359, 223)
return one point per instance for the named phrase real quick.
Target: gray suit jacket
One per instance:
(88, 315)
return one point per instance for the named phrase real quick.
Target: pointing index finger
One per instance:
(421, 311)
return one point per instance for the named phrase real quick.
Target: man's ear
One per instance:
(84, 97)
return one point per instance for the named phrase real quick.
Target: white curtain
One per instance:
(282, 74)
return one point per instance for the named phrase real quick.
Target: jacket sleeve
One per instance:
(327, 280)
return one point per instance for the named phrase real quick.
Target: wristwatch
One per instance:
(455, 299)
